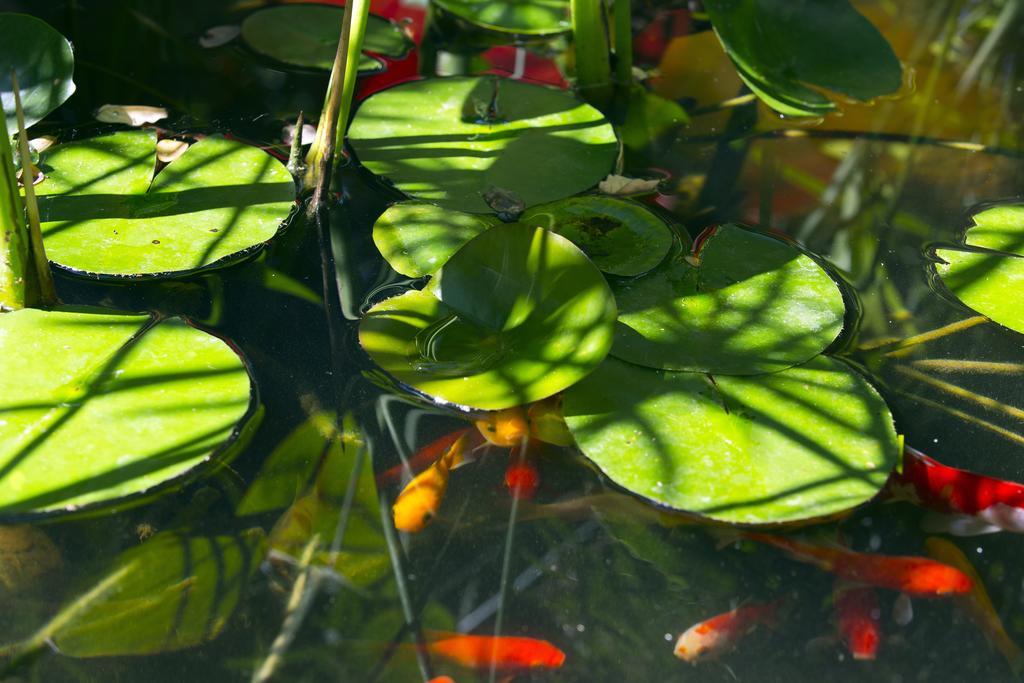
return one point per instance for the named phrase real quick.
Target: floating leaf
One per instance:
(170, 593)
(307, 36)
(105, 215)
(417, 238)
(520, 17)
(449, 140)
(102, 406)
(988, 276)
(621, 237)
(43, 62)
(520, 314)
(755, 304)
(806, 442)
(784, 49)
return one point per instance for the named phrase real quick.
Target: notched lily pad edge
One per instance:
(232, 259)
(704, 521)
(223, 454)
(853, 312)
(497, 33)
(384, 183)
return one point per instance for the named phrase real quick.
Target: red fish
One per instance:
(424, 457)
(504, 652)
(912, 575)
(522, 477)
(858, 619)
(719, 634)
(993, 503)
(442, 679)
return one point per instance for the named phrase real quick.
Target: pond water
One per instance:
(603, 576)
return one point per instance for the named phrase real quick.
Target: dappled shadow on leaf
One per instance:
(126, 409)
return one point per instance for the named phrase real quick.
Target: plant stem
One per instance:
(593, 71)
(623, 42)
(43, 280)
(330, 131)
(14, 254)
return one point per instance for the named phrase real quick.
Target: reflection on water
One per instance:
(580, 565)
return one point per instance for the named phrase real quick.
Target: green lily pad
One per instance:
(450, 140)
(519, 314)
(988, 276)
(417, 238)
(170, 593)
(43, 62)
(755, 304)
(104, 214)
(807, 442)
(307, 36)
(102, 406)
(784, 49)
(520, 17)
(620, 236)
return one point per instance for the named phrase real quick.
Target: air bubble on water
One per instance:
(668, 637)
(875, 542)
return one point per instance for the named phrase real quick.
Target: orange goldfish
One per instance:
(721, 633)
(504, 652)
(505, 427)
(858, 619)
(912, 575)
(977, 604)
(442, 679)
(418, 502)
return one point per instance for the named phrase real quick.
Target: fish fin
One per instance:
(956, 525)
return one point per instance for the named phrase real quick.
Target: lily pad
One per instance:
(102, 406)
(785, 49)
(988, 275)
(104, 214)
(520, 17)
(755, 304)
(621, 237)
(307, 36)
(807, 442)
(170, 593)
(450, 140)
(43, 62)
(516, 315)
(417, 238)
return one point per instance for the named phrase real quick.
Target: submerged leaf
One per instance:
(811, 441)
(519, 314)
(170, 593)
(754, 304)
(104, 214)
(988, 275)
(101, 406)
(435, 140)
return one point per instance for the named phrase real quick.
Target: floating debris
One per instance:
(130, 114)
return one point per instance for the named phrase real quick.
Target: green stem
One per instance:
(43, 278)
(623, 42)
(330, 131)
(593, 70)
(14, 257)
